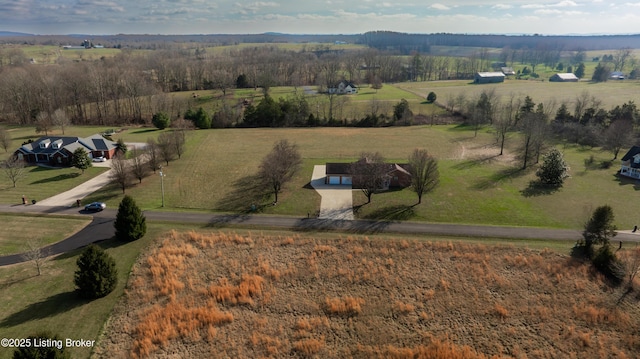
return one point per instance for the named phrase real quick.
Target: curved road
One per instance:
(101, 228)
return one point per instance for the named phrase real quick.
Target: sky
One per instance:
(104, 17)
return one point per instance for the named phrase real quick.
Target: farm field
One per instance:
(255, 295)
(611, 93)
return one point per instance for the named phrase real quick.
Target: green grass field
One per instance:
(477, 186)
(45, 230)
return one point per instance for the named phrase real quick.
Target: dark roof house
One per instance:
(397, 175)
(58, 150)
(630, 166)
(488, 77)
(564, 77)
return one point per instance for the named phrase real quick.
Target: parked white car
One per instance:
(99, 159)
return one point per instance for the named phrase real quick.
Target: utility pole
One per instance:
(162, 185)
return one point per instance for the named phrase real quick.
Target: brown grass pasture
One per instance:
(611, 93)
(248, 296)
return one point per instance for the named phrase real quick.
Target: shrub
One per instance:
(130, 223)
(606, 262)
(431, 97)
(54, 351)
(96, 275)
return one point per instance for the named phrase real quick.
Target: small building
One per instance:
(343, 87)
(630, 166)
(564, 77)
(58, 150)
(616, 75)
(508, 71)
(488, 77)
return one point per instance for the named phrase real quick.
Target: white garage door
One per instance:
(334, 180)
(346, 180)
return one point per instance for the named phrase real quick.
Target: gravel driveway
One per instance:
(337, 200)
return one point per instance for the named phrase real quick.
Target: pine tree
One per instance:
(96, 275)
(580, 71)
(80, 159)
(130, 223)
(553, 170)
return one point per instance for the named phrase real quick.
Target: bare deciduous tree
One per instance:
(14, 169)
(166, 148)
(280, 165)
(139, 164)
(425, 176)
(153, 154)
(5, 139)
(60, 119)
(35, 253)
(630, 259)
(120, 171)
(369, 173)
(619, 135)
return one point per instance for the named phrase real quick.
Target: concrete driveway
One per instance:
(337, 200)
(70, 197)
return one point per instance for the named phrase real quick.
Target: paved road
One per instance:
(101, 227)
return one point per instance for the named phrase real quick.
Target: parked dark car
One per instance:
(95, 207)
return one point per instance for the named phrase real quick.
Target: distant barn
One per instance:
(488, 77)
(566, 77)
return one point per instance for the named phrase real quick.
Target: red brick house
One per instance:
(397, 175)
(58, 151)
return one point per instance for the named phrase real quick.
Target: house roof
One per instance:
(566, 76)
(631, 153)
(333, 168)
(54, 144)
(490, 74)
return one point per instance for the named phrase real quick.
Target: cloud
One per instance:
(440, 7)
(253, 8)
(502, 6)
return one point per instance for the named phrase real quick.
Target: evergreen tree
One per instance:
(553, 170)
(121, 147)
(600, 74)
(200, 118)
(80, 159)
(579, 71)
(130, 223)
(41, 352)
(161, 120)
(96, 275)
(431, 97)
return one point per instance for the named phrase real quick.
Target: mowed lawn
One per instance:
(476, 186)
(18, 230)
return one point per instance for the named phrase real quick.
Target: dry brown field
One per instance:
(225, 295)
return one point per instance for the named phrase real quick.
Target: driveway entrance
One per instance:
(337, 200)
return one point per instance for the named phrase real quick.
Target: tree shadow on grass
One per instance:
(146, 130)
(536, 189)
(392, 213)
(51, 306)
(626, 181)
(474, 162)
(246, 195)
(494, 179)
(57, 178)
